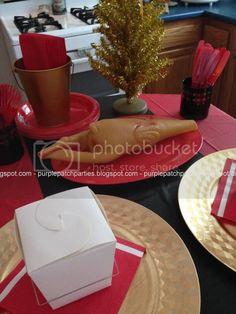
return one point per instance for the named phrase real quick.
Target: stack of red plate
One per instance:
(83, 110)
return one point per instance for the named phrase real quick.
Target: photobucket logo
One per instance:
(118, 149)
(172, 148)
(66, 148)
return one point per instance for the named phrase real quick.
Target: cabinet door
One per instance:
(179, 44)
(218, 35)
(228, 91)
(232, 92)
(230, 78)
(181, 68)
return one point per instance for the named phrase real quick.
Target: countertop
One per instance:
(223, 10)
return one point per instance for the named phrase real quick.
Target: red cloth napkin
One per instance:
(42, 52)
(224, 205)
(17, 295)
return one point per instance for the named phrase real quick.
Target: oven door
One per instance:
(78, 47)
(80, 60)
(84, 79)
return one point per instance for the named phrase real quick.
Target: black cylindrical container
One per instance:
(11, 148)
(195, 102)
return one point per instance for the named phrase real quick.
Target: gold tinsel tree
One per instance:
(128, 53)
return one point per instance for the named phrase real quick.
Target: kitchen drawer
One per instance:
(81, 41)
(182, 33)
(216, 36)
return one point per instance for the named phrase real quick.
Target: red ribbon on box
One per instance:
(17, 293)
(224, 205)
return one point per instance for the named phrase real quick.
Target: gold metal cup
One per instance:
(48, 92)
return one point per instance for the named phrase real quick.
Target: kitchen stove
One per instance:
(41, 23)
(85, 14)
(78, 36)
(77, 29)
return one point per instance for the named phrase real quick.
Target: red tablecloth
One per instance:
(22, 187)
(218, 129)
(18, 186)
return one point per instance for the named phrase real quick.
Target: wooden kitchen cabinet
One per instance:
(182, 61)
(217, 37)
(230, 77)
(179, 44)
(228, 95)
(217, 33)
(180, 41)
(222, 34)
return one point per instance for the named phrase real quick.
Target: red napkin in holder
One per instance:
(42, 52)
(224, 205)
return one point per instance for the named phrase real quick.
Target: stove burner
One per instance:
(85, 14)
(41, 23)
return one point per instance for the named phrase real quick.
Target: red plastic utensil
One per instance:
(196, 62)
(203, 53)
(219, 68)
(210, 65)
(206, 52)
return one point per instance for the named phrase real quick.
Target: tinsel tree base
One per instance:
(122, 107)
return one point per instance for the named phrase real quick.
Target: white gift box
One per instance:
(67, 245)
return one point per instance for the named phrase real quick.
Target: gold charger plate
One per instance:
(196, 194)
(166, 281)
(9, 254)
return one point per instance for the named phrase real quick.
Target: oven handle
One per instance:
(79, 60)
(72, 67)
(76, 61)
(72, 63)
